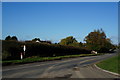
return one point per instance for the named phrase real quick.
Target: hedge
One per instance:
(11, 50)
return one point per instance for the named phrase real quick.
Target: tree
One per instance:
(68, 41)
(80, 44)
(8, 38)
(14, 38)
(97, 41)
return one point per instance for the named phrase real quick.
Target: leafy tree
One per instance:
(97, 41)
(8, 38)
(68, 41)
(81, 44)
(14, 38)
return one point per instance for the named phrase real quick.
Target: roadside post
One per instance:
(24, 49)
(21, 56)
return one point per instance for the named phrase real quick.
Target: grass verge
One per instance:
(39, 59)
(111, 64)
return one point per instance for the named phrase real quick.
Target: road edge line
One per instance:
(113, 73)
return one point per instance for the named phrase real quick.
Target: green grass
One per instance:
(111, 64)
(38, 59)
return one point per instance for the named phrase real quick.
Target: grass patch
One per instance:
(111, 64)
(38, 59)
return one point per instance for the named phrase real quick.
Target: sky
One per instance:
(57, 20)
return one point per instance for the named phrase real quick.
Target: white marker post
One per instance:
(21, 56)
(24, 48)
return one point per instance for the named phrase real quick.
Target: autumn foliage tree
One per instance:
(98, 41)
(68, 40)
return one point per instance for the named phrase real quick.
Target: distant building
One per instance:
(37, 41)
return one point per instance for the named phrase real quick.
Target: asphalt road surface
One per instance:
(81, 67)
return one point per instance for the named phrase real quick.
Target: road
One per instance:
(81, 67)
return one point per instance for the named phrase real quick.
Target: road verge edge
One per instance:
(113, 73)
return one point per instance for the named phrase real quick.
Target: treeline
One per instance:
(12, 50)
(96, 40)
